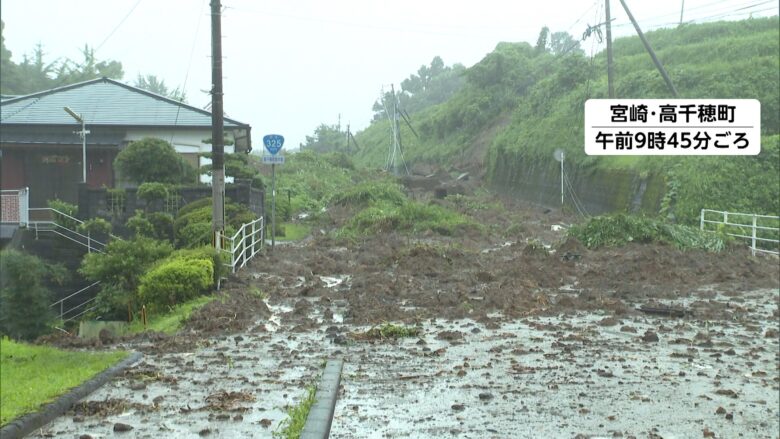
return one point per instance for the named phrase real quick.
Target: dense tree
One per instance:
(326, 138)
(34, 74)
(431, 85)
(153, 84)
(153, 160)
(24, 301)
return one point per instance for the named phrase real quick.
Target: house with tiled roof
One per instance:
(41, 147)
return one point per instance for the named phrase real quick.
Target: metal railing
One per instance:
(44, 219)
(244, 244)
(761, 236)
(64, 312)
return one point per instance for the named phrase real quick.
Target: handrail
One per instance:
(753, 227)
(57, 211)
(242, 241)
(77, 292)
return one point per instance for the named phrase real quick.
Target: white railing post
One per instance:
(89, 242)
(725, 218)
(24, 205)
(753, 235)
(701, 221)
(254, 237)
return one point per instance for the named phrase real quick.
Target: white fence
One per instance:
(761, 231)
(244, 244)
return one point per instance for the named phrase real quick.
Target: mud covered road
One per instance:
(523, 333)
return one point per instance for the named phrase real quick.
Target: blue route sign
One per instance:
(273, 143)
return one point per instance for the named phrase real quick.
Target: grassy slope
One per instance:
(34, 375)
(542, 97)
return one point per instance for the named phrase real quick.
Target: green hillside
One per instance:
(521, 103)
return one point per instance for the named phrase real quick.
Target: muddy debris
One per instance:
(650, 337)
(120, 427)
(227, 401)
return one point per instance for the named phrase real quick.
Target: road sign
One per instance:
(273, 143)
(273, 159)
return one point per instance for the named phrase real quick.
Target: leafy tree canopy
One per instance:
(155, 85)
(35, 74)
(153, 160)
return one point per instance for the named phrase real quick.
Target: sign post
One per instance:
(273, 144)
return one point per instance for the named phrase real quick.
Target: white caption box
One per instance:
(672, 127)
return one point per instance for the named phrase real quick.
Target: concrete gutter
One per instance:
(321, 414)
(26, 424)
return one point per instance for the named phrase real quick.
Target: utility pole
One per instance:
(217, 128)
(395, 131)
(610, 71)
(649, 49)
(682, 8)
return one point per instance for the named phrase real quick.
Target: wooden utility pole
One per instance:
(649, 49)
(217, 128)
(682, 8)
(610, 71)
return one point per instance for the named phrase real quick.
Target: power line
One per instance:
(118, 25)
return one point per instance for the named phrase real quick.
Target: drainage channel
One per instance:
(321, 414)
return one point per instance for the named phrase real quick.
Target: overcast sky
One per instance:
(292, 64)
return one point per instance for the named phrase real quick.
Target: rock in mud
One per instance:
(650, 337)
(627, 328)
(120, 427)
(450, 336)
(85, 436)
(265, 422)
(485, 396)
(459, 407)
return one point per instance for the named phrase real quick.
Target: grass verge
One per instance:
(31, 376)
(292, 426)
(171, 321)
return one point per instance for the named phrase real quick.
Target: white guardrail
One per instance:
(762, 231)
(244, 244)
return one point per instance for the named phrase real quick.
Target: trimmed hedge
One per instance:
(176, 280)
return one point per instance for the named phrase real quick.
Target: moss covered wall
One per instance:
(599, 190)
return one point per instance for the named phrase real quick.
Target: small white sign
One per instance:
(273, 159)
(672, 127)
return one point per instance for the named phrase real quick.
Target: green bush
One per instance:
(162, 225)
(119, 269)
(617, 230)
(370, 192)
(192, 226)
(66, 208)
(152, 191)
(139, 225)
(153, 160)
(219, 260)
(95, 227)
(410, 217)
(24, 301)
(176, 280)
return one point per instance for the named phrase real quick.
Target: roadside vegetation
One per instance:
(620, 229)
(292, 426)
(35, 375)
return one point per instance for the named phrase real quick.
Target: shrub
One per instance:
(152, 191)
(153, 160)
(617, 230)
(139, 225)
(119, 270)
(162, 225)
(24, 301)
(218, 260)
(95, 227)
(371, 192)
(66, 208)
(192, 226)
(176, 280)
